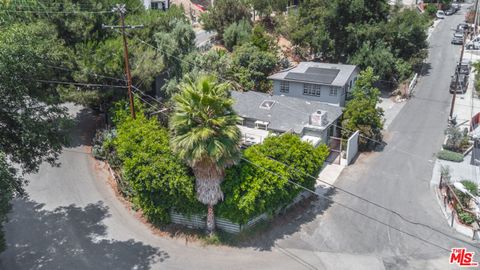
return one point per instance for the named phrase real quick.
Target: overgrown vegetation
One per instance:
(159, 180)
(260, 184)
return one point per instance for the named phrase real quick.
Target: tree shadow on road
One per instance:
(69, 237)
(86, 121)
(305, 213)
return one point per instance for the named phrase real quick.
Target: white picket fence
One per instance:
(198, 221)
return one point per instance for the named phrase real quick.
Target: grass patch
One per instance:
(450, 156)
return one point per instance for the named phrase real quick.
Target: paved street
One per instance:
(397, 178)
(73, 220)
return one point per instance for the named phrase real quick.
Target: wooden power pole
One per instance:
(121, 9)
(457, 77)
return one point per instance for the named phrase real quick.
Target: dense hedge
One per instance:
(450, 156)
(159, 180)
(251, 190)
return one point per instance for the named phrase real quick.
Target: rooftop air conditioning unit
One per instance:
(319, 118)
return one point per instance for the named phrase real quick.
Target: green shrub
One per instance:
(450, 156)
(251, 66)
(431, 9)
(159, 180)
(250, 190)
(471, 186)
(237, 34)
(466, 217)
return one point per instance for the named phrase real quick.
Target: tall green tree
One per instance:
(32, 124)
(205, 135)
(362, 113)
(224, 13)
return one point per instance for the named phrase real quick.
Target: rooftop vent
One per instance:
(267, 104)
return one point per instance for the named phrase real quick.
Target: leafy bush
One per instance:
(159, 180)
(223, 14)
(470, 186)
(465, 217)
(457, 141)
(362, 112)
(251, 190)
(237, 34)
(450, 156)
(431, 9)
(251, 66)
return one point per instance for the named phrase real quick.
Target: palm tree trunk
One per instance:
(210, 219)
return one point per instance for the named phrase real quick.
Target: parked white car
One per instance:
(440, 14)
(473, 44)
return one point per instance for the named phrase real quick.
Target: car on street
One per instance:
(459, 83)
(450, 11)
(457, 40)
(463, 26)
(440, 14)
(464, 67)
(456, 6)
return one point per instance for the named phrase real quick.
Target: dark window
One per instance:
(284, 87)
(312, 89)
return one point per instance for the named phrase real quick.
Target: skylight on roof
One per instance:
(267, 104)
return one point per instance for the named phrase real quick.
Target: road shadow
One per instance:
(69, 237)
(425, 70)
(85, 123)
(264, 236)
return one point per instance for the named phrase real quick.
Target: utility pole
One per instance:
(121, 9)
(475, 20)
(457, 74)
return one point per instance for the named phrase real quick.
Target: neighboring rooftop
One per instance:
(286, 112)
(319, 73)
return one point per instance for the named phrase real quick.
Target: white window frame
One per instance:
(333, 91)
(284, 87)
(310, 89)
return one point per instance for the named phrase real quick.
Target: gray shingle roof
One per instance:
(285, 114)
(315, 72)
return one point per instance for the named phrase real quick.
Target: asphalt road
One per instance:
(73, 220)
(398, 178)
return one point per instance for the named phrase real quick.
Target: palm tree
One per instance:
(205, 135)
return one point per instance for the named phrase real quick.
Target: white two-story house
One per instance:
(322, 82)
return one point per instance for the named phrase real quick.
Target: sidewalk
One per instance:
(468, 104)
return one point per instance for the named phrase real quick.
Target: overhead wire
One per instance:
(346, 191)
(350, 208)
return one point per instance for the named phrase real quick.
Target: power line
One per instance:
(91, 73)
(350, 208)
(81, 84)
(362, 199)
(54, 12)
